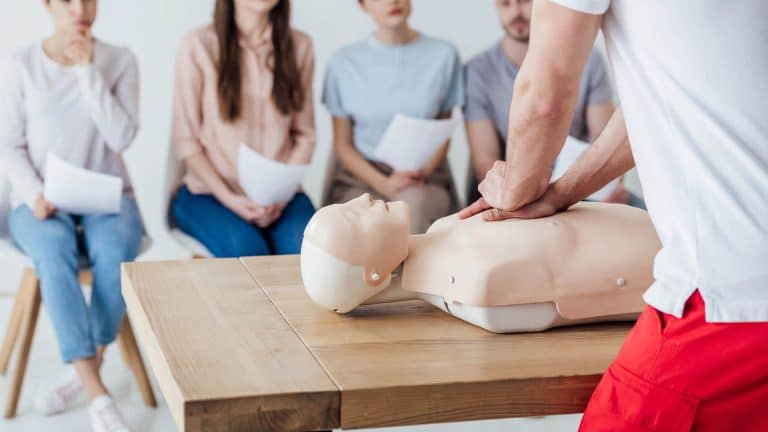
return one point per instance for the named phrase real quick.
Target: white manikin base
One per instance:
(514, 319)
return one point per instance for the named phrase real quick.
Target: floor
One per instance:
(44, 364)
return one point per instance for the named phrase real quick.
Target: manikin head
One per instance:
(350, 251)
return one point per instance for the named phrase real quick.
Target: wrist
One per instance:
(224, 196)
(560, 196)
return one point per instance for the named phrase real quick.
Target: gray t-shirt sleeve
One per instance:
(332, 93)
(455, 96)
(477, 103)
(599, 85)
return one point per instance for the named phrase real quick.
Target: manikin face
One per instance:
(388, 14)
(515, 17)
(72, 16)
(363, 232)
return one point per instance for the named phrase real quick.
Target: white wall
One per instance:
(152, 29)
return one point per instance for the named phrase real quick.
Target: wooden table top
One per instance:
(238, 345)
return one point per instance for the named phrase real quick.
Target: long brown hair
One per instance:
(287, 92)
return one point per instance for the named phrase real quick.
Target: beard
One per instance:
(512, 34)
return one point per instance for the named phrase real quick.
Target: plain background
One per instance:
(152, 29)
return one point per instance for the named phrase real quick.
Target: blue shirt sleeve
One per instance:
(332, 93)
(455, 95)
(477, 105)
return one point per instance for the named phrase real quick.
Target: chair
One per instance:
(23, 320)
(173, 174)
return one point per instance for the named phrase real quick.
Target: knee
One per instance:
(56, 250)
(122, 247)
(300, 206)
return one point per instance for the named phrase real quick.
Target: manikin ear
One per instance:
(372, 277)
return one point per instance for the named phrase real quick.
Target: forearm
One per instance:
(21, 174)
(437, 160)
(539, 119)
(115, 115)
(199, 164)
(609, 157)
(355, 163)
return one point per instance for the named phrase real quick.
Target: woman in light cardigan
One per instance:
(74, 97)
(247, 78)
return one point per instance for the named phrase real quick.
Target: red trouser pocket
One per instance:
(624, 401)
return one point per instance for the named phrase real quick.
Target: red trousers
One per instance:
(680, 375)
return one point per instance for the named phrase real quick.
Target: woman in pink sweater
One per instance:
(246, 78)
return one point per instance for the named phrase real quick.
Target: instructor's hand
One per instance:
(499, 194)
(547, 205)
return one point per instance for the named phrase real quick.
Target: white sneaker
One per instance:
(105, 417)
(60, 395)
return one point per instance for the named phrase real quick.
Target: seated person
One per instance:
(246, 78)
(76, 97)
(590, 263)
(395, 70)
(490, 79)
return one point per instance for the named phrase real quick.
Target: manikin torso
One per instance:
(590, 263)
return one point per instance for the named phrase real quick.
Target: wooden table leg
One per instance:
(130, 349)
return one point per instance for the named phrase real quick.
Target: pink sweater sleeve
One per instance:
(303, 121)
(188, 84)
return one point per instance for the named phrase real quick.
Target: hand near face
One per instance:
(79, 49)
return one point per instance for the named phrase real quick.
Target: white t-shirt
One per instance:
(692, 79)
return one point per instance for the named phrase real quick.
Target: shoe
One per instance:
(105, 417)
(58, 397)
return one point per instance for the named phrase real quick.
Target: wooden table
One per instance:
(237, 345)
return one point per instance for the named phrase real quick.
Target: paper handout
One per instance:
(76, 190)
(571, 151)
(409, 143)
(266, 181)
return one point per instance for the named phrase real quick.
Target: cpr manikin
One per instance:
(588, 264)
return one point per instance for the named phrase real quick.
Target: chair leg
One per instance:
(130, 349)
(14, 325)
(28, 324)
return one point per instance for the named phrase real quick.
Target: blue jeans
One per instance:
(227, 235)
(53, 245)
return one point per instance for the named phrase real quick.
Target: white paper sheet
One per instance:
(79, 191)
(571, 151)
(266, 181)
(409, 143)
